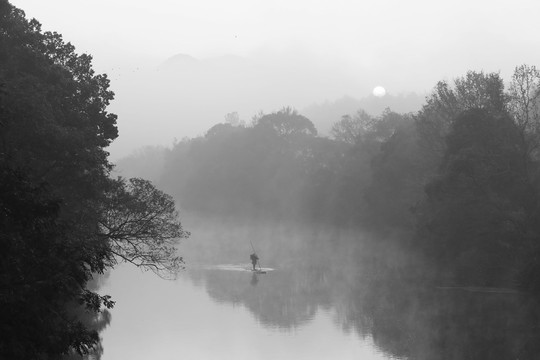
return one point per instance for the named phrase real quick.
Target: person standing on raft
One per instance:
(254, 259)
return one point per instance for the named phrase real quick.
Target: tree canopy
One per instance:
(141, 224)
(63, 218)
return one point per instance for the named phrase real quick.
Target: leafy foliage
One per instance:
(141, 224)
(287, 122)
(476, 90)
(350, 129)
(43, 273)
(237, 170)
(478, 205)
(397, 182)
(55, 191)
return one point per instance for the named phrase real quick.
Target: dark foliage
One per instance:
(478, 205)
(56, 194)
(43, 273)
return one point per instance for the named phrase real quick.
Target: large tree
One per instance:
(43, 273)
(476, 217)
(475, 90)
(524, 106)
(56, 194)
(287, 122)
(411, 154)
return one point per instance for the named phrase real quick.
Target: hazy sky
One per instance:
(401, 45)
(425, 38)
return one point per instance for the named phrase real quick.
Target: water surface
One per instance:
(327, 294)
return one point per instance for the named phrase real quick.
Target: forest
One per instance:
(456, 183)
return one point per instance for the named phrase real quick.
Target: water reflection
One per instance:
(276, 298)
(364, 285)
(156, 319)
(254, 279)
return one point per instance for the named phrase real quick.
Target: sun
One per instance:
(379, 91)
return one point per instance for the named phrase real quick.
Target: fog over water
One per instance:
(328, 293)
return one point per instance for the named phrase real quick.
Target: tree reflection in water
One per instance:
(372, 288)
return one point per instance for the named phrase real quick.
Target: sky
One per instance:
(350, 47)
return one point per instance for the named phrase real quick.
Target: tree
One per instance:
(54, 130)
(524, 104)
(351, 129)
(234, 119)
(141, 224)
(475, 90)
(222, 130)
(374, 166)
(396, 186)
(54, 171)
(55, 123)
(43, 273)
(287, 122)
(524, 93)
(475, 220)
(412, 147)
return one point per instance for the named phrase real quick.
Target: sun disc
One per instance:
(379, 91)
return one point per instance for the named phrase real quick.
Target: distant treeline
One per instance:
(276, 167)
(457, 181)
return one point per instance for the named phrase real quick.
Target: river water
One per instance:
(327, 294)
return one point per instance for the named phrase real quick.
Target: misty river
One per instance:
(327, 294)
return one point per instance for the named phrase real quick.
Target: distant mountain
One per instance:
(178, 61)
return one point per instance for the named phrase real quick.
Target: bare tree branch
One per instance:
(142, 225)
